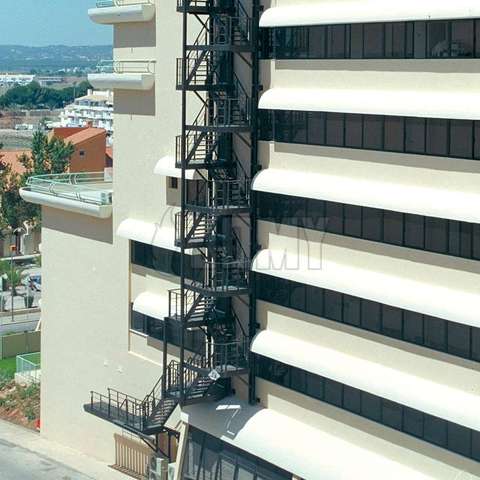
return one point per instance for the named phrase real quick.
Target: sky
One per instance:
(50, 22)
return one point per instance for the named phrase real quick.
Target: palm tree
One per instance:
(15, 276)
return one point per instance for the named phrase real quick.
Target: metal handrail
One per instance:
(121, 3)
(126, 66)
(76, 186)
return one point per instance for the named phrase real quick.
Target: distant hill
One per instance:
(20, 58)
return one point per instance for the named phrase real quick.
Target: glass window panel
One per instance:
(458, 339)
(333, 392)
(393, 227)
(315, 215)
(476, 152)
(398, 40)
(415, 135)
(394, 134)
(353, 130)
(226, 467)
(437, 137)
(372, 220)
(282, 130)
(314, 301)
(466, 240)
(298, 379)
(373, 132)
(435, 333)
(245, 472)
(315, 386)
(392, 414)
(414, 231)
(294, 209)
(353, 220)
(137, 321)
(371, 407)
(279, 292)
(352, 399)
(297, 296)
(336, 41)
(351, 310)
(335, 129)
(477, 35)
(461, 138)
(209, 467)
(138, 253)
(413, 327)
(410, 34)
(334, 217)
(333, 305)
(420, 39)
(392, 320)
(356, 40)
(299, 127)
(462, 44)
(476, 241)
(373, 40)
(279, 373)
(371, 315)
(316, 45)
(438, 39)
(476, 445)
(436, 234)
(435, 430)
(316, 128)
(453, 237)
(413, 422)
(475, 343)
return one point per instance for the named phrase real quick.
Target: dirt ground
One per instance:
(20, 404)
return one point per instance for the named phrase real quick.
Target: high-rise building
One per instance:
(286, 282)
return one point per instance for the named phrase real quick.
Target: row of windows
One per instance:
(431, 332)
(449, 435)
(450, 237)
(153, 327)
(423, 136)
(165, 261)
(431, 39)
(208, 458)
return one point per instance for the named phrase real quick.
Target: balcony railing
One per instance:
(90, 188)
(126, 66)
(121, 3)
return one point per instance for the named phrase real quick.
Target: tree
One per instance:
(15, 276)
(48, 156)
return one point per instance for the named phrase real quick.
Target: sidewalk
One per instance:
(26, 455)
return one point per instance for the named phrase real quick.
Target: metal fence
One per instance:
(28, 367)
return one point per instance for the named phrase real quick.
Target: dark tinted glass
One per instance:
(461, 138)
(335, 129)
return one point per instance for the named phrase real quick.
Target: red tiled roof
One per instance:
(10, 157)
(84, 135)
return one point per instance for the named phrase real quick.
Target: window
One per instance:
(412, 327)
(431, 39)
(414, 135)
(81, 153)
(173, 182)
(437, 431)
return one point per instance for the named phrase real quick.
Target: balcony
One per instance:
(111, 12)
(124, 75)
(85, 193)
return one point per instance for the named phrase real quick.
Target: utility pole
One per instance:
(13, 248)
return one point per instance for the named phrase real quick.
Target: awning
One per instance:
(427, 197)
(407, 283)
(360, 11)
(457, 104)
(397, 385)
(166, 167)
(122, 81)
(152, 304)
(150, 233)
(122, 14)
(297, 447)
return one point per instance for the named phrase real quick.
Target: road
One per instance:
(25, 455)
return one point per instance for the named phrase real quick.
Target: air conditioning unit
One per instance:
(171, 471)
(157, 468)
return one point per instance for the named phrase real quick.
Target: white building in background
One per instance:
(96, 108)
(10, 79)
